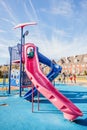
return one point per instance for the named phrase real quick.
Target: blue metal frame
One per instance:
(9, 87)
(21, 61)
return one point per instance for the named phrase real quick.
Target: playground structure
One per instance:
(15, 72)
(42, 83)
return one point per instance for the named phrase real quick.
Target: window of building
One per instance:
(85, 59)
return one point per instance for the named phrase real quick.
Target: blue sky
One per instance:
(61, 30)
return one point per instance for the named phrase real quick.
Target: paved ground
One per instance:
(16, 114)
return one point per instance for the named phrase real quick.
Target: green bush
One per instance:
(1, 74)
(85, 72)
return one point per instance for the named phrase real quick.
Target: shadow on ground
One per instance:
(75, 97)
(82, 122)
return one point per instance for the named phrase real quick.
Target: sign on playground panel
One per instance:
(15, 78)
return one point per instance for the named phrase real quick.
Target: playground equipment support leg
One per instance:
(38, 101)
(21, 61)
(32, 98)
(9, 87)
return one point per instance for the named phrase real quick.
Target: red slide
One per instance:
(45, 87)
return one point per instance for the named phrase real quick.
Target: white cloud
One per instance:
(59, 32)
(57, 44)
(55, 48)
(83, 4)
(4, 51)
(9, 11)
(28, 14)
(7, 20)
(34, 10)
(2, 31)
(30, 10)
(60, 7)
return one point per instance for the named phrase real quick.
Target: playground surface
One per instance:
(16, 112)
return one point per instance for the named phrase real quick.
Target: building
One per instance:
(74, 64)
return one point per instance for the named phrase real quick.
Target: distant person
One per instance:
(31, 53)
(53, 61)
(41, 67)
(63, 77)
(59, 79)
(74, 78)
(71, 78)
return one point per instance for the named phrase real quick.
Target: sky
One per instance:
(61, 28)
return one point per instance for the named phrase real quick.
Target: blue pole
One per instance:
(10, 66)
(21, 62)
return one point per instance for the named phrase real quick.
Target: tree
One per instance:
(85, 72)
(1, 74)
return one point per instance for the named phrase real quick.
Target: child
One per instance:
(71, 78)
(74, 78)
(31, 53)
